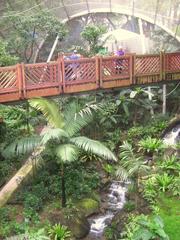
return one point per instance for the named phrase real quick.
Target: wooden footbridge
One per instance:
(24, 81)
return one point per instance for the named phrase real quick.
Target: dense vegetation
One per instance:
(83, 144)
(125, 126)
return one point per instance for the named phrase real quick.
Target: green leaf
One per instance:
(143, 234)
(50, 110)
(22, 146)
(161, 233)
(158, 220)
(93, 146)
(75, 120)
(67, 153)
(126, 110)
(55, 133)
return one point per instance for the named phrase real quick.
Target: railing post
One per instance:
(51, 72)
(162, 66)
(63, 75)
(100, 73)
(19, 79)
(97, 72)
(60, 78)
(134, 68)
(131, 68)
(23, 81)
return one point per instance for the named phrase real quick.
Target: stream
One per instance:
(114, 200)
(173, 136)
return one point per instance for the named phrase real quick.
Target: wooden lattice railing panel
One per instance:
(149, 64)
(83, 70)
(8, 79)
(85, 74)
(115, 67)
(41, 75)
(172, 62)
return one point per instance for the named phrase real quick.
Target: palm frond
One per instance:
(74, 121)
(67, 153)
(89, 108)
(50, 110)
(93, 146)
(22, 146)
(127, 152)
(122, 174)
(55, 133)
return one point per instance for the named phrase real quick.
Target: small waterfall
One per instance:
(114, 199)
(173, 136)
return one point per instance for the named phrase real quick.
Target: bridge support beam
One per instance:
(142, 36)
(164, 99)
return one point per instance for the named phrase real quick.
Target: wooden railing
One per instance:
(25, 81)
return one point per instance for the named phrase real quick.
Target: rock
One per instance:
(170, 151)
(88, 206)
(105, 181)
(120, 220)
(173, 122)
(78, 224)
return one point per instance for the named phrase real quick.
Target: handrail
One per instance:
(24, 81)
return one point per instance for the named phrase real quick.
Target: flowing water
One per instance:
(173, 136)
(114, 199)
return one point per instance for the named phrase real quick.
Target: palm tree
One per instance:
(64, 129)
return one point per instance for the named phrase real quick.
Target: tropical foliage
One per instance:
(31, 32)
(64, 132)
(59, 232)
(5, 58)
(142, 227)
(92, 35)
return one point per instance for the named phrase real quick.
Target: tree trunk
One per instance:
(63, 187)
(137, 190)
(36, 55)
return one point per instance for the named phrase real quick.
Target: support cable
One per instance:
(87, 4)
(19, 13)
(156, 11)
(177, 27)
(173, 90)
(65, 9)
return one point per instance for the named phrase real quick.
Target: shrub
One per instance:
(32, 202)
(4, 215)
(129, 206)
(151, 145)
(175, 186)
(35, 235)
(164, 181)
(143, 227)
(59, 232)
(170, 164)
(150, 191)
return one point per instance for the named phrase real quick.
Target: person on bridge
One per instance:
(74, 66)
(119, 62)
(119, 52)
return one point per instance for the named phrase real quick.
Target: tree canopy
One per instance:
(29, 32)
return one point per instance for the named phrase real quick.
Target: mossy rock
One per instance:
(79, 227)
(88, 206)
